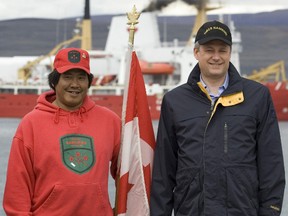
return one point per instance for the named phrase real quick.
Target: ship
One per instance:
(164, 65)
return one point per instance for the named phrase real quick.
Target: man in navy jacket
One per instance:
(218, 146)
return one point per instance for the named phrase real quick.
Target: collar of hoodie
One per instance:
(73, 116)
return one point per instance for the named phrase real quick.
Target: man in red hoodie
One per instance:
(61, 152)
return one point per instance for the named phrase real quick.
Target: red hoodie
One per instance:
(59, 161)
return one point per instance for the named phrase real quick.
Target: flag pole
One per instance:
(132, 17)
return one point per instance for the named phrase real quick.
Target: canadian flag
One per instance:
(137, 147)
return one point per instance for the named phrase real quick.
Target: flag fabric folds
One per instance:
(137, 147)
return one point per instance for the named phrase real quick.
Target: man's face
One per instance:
(71, 89)
(213, 58)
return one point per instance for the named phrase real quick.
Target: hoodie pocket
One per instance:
(79, 199)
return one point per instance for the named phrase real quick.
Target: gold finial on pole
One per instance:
(133, 17)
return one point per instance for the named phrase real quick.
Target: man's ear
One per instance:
(196, 51)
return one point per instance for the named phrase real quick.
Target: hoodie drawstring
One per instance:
(80, 113)
(56, 116)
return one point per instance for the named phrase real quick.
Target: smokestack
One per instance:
(87, 10)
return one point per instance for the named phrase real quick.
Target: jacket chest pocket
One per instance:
(239, 139)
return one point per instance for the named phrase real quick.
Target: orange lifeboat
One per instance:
(156, 67)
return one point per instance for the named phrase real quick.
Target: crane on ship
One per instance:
(272, 73)
(83, 33)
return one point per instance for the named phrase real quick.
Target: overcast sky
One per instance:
(10, 9)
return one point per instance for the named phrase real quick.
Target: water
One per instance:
(9, 125)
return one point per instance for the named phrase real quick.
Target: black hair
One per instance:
(54, 76)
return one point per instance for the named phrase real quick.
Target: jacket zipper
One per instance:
(212, 106)
(225, 138)
(203, 155)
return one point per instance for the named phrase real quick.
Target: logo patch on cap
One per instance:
(215, 28)
(74, 56)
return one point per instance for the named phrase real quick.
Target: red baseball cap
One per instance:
(72, 58)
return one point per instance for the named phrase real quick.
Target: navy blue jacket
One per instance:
(218, 159)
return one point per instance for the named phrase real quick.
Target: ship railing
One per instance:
(174, 43)
(154, 89)
(22, 89)
(107, 90)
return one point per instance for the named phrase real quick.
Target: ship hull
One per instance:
(279, 93)
(16, 106)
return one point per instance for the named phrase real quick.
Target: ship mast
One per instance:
(201, 17)
(24, 73)
(86, 42)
